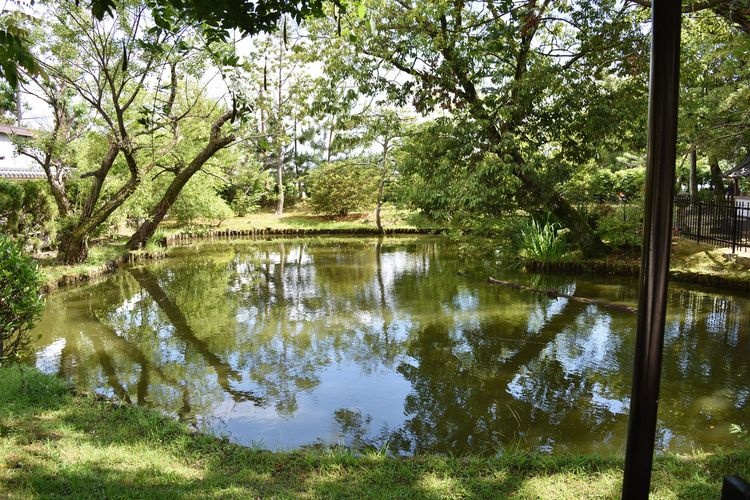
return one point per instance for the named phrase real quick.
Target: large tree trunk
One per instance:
(717, 179)
(693, 181)
(159, 211)
(73, 248)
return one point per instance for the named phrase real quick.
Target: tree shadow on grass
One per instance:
(54, 444)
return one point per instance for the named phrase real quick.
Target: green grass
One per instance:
(689, 256)
(391, 217)
(54, 443)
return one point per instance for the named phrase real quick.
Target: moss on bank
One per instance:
(55, 443)
(690, 262)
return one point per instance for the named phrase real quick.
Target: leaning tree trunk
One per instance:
(539, 191)
(215, 143)
(73, 247)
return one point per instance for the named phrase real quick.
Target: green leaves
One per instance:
(20, 300)
(341, 188)
(15, 50)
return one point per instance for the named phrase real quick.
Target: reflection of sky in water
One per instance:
(404, 340)
(48, 358)
(340, 387)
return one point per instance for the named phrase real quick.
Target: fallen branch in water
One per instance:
(551, 292)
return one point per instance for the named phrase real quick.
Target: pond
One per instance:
(396, 343)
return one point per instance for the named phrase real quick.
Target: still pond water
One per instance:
(397, 343)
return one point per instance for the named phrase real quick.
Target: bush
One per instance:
(196, 202)
(244, 204)
(11, 204)
(341, 188)
(20, 301)
(27, 211)
(541, 241)
(622, 227)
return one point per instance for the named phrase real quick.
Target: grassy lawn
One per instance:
(54, 443)
(391, 217)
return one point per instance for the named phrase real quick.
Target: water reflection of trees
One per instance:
(488, 367)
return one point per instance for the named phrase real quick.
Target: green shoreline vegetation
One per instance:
(54, 443)
(692, 262)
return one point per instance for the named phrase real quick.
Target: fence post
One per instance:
(734, 227)
(700, 222)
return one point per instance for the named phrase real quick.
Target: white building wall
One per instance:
(13, 165)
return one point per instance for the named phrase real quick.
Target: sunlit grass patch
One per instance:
(442, 486)
(54, 443)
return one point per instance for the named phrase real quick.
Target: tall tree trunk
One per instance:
(280, 180)
(279, 117)
(717, 179)
(381, 185)
(693, 182)
(378, 222)
(159, 211)
(329, 144)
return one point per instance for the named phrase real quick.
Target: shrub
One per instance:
(199, 202)
(20, 300)
(541, 241)
(156, 244)
(622, 227)
(244, 204)
(11, 204)
(341, 188)
(27, 211)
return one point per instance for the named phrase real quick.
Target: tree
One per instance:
(53, 150)
(714, 101)
(378, 131)
(20, 299)
(115, 72)
(343, 187)
(15, 44)
(507, 68)
(108, 65)
(176, 156)
(280, 90)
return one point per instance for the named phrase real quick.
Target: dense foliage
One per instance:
(541, 241)
(470, 113)
(20, 300)
(27, 212)
(341, 188)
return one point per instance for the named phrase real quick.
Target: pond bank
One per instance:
(691, 263)
(109, 257)
(56, 443)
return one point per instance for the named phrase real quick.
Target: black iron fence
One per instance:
(723, 224)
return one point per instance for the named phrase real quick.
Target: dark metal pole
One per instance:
(657, 241)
